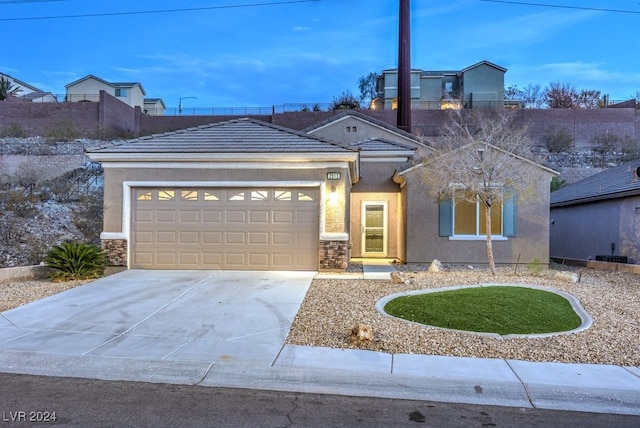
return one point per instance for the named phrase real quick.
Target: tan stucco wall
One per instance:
(342, 130)
(424, 243)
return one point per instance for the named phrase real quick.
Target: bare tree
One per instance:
(589, 98)
(478, 161)
(532, 96)
(565, 95)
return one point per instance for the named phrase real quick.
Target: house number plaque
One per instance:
(334, 176)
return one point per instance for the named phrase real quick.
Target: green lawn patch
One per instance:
(490, 309)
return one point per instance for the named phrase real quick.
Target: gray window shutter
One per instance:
(446, 217)
(509, 213)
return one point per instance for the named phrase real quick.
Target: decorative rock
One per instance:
(567, 276)
(361, 333)
(435, 266)
(396, 277)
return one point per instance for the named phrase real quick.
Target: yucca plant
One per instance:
(75, 260)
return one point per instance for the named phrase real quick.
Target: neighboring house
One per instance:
(245, 194)
(598, 216)
(26, 92)
(154, 106)
(88, 89)
(477, 86)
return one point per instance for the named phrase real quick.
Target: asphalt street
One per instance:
(74, 402)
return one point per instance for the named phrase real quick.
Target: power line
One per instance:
(557, 6)
(27, 1)
(147, 12)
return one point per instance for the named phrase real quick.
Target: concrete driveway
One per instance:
(182, 316)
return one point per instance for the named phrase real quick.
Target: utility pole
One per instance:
(404, 67)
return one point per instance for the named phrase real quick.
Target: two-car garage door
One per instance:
(225, 228)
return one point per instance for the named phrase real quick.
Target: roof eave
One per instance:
(596, 198)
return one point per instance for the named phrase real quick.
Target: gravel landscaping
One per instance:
(333, 306)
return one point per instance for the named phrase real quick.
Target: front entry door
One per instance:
(374, 229)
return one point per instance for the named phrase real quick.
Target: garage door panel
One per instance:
(306, 217)
(236, 216)
(259, 260)
(189, 237)
(166, 237)
(283, 238)
(257, 238)
(232, 238)
(144, 216)
(213, 259)
(166, 216)
(166, 258)
(258, 217)
(191, 259)
(143, 237)
(283, 217)
(210, 228)
(235, 259)
(212, 237)
(190, 217)
(281, 260)
(212, 216)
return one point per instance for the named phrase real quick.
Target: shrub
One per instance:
(13, 130)
(605, 143)
(535, 267)
(558, 140)
(630, 149)
(20, 204)
(345, 101)
(558, 183)
(75, 260)
(61, 131)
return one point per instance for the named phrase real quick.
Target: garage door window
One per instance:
(238, 196)
(144, 195)
(166, 195)
(189, 195)
(282, 195)
(259, 195)
(210, 196)
(305, 197)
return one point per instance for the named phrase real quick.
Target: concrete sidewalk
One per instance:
(557, 386)
(184, 328)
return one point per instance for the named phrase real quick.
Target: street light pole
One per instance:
(180, 103)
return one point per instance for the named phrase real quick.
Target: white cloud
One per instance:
(300, 28)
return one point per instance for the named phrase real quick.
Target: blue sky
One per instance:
(234, 53)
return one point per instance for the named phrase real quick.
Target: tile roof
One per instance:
(234, 136)
(617, 182)
(379, 145)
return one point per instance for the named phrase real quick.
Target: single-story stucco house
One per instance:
(246, 194)
(598, 217)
